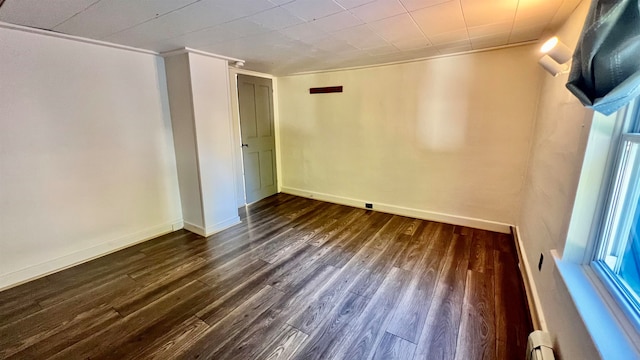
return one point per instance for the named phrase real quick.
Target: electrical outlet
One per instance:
(540, 262)
(368, 205)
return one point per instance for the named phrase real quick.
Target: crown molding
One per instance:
(187, 50)
(50, 33)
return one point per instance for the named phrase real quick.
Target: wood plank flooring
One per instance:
(297, 279)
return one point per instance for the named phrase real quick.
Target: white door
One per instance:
(255, 100)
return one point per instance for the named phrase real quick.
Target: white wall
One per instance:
(445, 139)
(559, 140)
(214, 139)
(183, 125)
(202, 126)
(86, 152)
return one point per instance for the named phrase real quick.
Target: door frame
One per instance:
(237, 136)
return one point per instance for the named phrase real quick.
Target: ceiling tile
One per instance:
(25, 12)
(453, 36)
(531, 21)
(197, 16)
(275, 19)
(349, 4)
(333, 45)
(399, 27)
(383, 50)
(492, 29)
(526, 34)
(229, 48)
(533, 8)
(420, 53)
(454, 50)
(280, 2)
(379, 9)
(196, 40)
(353, 54)
(243, 7)
(313, 40)
(302, 31)
(412, 5)
(361, 36)
(109, 17)
(564, 11)
(412, 44)
(532, 15)
(454, 44)
(205, 37)
(483, 12)
(339, 21)
(300, 35)
(484, 42)
(438, 19)
(310, 10)
(244, 27)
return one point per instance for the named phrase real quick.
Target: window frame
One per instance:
(615, 294)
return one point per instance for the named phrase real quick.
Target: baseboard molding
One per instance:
(210, 230)
(535, 306)
(52, 266)
(194, 228)
(404, 211)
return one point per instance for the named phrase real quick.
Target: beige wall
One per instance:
(86, 152)
(442, 136)
(561, 131)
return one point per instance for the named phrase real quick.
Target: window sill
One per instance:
(608, 334)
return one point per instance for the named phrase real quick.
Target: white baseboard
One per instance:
(52, 266)
(403, 211)
(177, 225)
(535, 306)
(210, 230)
(194, 228)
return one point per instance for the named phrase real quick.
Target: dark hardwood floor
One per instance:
(298, 279)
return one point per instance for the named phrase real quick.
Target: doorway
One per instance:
(255, 104)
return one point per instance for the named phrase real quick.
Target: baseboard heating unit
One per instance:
(539, 346)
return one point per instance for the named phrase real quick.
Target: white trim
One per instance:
(232, 139)
(196, 229)
(235, 106)
(276, 125)
(210, 230)
(533, 299)
(237, 135)
(415, 59)
(178, 225)
(625, 316)
(223, 225)
(237, 141)
(236, 70)
(74, 38)
(186, 50)
(64, 262)
(404, 211)
(602, 321)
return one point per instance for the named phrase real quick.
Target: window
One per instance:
(617, 253)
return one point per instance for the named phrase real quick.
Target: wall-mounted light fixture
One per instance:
(556, 58)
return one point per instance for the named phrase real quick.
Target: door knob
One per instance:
(245, 145)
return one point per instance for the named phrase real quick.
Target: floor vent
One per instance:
(539, 346)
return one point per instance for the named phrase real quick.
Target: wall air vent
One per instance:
(325, 90)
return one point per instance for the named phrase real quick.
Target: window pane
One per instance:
(621, 251)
